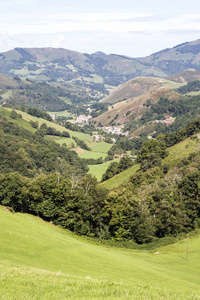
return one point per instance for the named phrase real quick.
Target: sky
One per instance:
(131, 28)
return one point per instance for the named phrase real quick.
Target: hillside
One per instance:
(96, 72)
(141, 85)
(185, 76)
(175, 60)
(41, 261)
(122, 112)
(133, 88)
(176, 154)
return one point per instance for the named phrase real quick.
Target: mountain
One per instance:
(98, 72)
(185, 76)
(122, 112)
(176, 59)
(62, 65)
(141, 85)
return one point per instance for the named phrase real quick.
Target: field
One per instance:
(181, 151)
(91, 154)
(98, 170)
(119, 178)
(63, 113)
(41, 261)
(100, 147)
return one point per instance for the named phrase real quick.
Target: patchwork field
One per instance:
(41, 261)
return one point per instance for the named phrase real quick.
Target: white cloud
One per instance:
(110, 22)
(111, 32)
(58, 41)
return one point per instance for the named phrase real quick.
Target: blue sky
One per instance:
(133, 28)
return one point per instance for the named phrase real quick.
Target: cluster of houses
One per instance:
(115, 130)
(83, 119)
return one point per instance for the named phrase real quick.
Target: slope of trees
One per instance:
(47, 180)
(29, 154)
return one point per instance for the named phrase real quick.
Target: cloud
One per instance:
(110, 22)
(58, 41)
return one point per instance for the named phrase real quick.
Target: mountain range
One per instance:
(97, 71)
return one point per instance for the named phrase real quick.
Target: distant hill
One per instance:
(6, 81)
(185, 76)
(124, 110)
(96, 72)
(175, 60)
(138, 86)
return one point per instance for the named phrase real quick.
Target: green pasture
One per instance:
(95, 78)
(99, 170)
(181, 151)
(63, 113)
(41, 261)
(172, 84)
(120, 178)
(100, 147)
(7, 94)
(95, 155)
(193, 94)
(60, 140)
(5, 112)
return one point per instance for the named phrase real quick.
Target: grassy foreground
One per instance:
(41, 261)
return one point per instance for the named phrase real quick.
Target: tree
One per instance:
(13, 114)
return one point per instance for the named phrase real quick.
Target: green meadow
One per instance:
(181, 151)
(41, 261)
(120, 178)
(100, 147)
(63, 113)
(99, 170)
(95, 155)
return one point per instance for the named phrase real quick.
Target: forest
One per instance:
(48, 180)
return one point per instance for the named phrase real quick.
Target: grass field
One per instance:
(21, 122)
(60, 140)
(119, 178)
(41, 261)
(181, 150)
(100, 147)
(63, 113)
(98, 170)
(91, 154)
(197, 93)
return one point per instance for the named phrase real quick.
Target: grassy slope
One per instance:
(119, 178)
(181, 150)
(98, 170)
(28, 118)
(40, 261)
(176, 154)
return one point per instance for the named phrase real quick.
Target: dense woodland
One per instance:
(48, 180)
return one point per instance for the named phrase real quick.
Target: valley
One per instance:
(100, 174)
